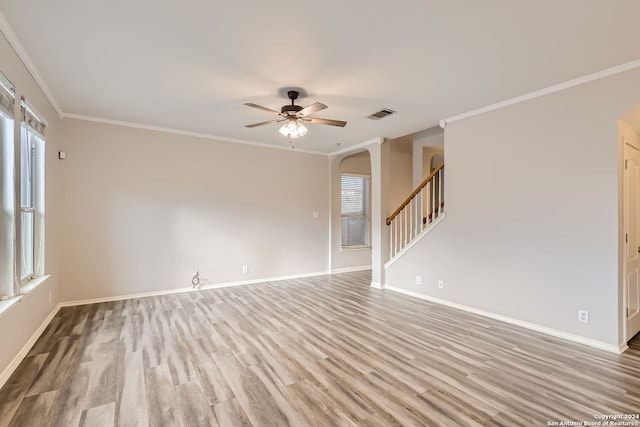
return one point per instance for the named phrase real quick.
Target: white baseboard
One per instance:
(350, 269)
(612, 348)
(15, 362)
(190, 289)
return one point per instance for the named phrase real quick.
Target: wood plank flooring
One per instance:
(322, 351)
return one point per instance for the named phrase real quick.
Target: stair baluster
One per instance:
(417, 212)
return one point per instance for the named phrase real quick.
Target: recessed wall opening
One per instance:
(355, 202)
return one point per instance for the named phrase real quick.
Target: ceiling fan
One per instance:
(294, 115)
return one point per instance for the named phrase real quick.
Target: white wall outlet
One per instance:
(315, 215)
(245, 269)
(440, 284)
(50, 296)
(418, 280)
(583, 316)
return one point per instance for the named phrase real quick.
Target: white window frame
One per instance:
(27, 205)
(31, 134)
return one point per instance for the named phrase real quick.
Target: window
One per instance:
(31, 195)
(27, 203)
(21, 194)
(355, 211)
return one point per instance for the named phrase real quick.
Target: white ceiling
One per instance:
(190, 65)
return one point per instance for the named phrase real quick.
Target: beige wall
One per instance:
(19, 322)
(359, 163)
(401, 185)
(534, 236)
(144, 210)
(431, 158)
(426, 144)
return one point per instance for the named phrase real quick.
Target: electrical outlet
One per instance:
(440, 284)
(245, 269)
(583, 316)
(418, 280)
(195, 279)
(50, 296)
(315, 215)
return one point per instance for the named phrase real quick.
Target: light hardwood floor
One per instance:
(325, 351)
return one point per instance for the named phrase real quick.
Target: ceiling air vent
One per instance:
(381, 114)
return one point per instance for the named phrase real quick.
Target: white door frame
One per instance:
(625, 291)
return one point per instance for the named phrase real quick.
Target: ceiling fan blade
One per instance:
(313, 108)
(324, 121)
(260, 107)
(264, 123)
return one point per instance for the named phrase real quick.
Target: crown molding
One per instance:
(546, 91)
(182, 132)
(377, 140)
(14, 42)
(357, 147)
(16, 45)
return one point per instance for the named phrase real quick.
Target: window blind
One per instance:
(355, 195)
(355, 211)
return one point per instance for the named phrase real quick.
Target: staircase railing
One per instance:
(417, 212)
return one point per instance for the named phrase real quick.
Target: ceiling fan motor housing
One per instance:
(290, 109)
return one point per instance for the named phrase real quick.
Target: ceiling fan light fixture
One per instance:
(293, 129)
(302, 129)
(294, 117)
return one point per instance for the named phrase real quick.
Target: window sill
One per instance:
(26, 289)
(33, 283)
(354, 248)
